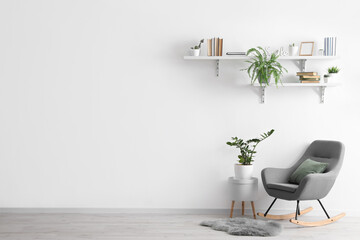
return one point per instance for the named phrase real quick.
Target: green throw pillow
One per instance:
(307, 167)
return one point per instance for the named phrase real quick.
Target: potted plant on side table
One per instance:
(264, 66)
(244, 169)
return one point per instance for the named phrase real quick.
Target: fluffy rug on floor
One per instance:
(244, 226)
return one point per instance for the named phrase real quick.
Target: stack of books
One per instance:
(330, 46)
(215, 46)
(308, 77)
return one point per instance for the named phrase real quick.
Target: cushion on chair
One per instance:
(288, 187)
(307, 167)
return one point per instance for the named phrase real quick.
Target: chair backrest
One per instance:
(331, 152)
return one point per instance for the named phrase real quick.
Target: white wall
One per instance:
(99, 109)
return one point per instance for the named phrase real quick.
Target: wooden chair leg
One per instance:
(242, 207)
(232, 209)
(253, 209)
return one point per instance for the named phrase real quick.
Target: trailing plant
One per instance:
(263, 66)
(198, 46)
(247, 148)
(333, 70)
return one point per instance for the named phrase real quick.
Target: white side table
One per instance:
(243, 190)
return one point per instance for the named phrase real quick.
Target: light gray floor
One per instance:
(54, 226)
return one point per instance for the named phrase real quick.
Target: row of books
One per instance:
(308, 77)
(330, 46)
(215, 46)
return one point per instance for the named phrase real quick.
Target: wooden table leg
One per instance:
(232, 208)
(242, 207)
(253, 209)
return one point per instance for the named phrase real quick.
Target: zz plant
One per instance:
(263, 66)
(247, 148)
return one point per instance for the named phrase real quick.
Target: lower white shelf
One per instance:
(322, 87)
(299, 85)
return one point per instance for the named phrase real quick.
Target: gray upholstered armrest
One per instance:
(276, 175)
(316, 186)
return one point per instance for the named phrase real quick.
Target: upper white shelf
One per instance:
(227, 57)
(301, 60)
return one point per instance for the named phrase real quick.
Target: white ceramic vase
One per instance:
(293, 50)
(243, 171)
(326, 79)
(195, 52)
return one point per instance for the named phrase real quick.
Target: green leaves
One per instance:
(333, 70)
(247, 148)
(262, 67)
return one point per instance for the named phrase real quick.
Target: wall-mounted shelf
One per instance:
(322, 87)
(301, 60)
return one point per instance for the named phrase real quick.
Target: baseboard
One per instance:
(225, 212)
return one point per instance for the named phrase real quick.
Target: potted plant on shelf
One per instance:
(244, 169)
(195, 51)
(332, 73)
(264, 67)
(293, 50)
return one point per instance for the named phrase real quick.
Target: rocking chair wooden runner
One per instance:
(311, 187)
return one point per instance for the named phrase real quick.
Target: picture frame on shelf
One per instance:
(306, 49)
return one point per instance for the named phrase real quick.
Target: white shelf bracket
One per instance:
(217, 68)
(262, 94)
(302, 65)
(322, 96)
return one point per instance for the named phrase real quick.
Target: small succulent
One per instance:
(292, 45)
(198, 46)
(333, 70)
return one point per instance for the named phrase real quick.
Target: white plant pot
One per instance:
(243, 171)
(333, 77)
(195, 52)
(293, 50)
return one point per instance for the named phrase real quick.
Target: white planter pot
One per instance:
(195, 52)
(293, 50)
(243, 171)
(333, 77)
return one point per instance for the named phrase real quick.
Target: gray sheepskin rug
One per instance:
(244, 226)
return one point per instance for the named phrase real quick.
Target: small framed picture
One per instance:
(306, 49)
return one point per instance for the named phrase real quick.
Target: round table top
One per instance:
(249, 181)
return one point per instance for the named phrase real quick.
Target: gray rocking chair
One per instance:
(312, 186)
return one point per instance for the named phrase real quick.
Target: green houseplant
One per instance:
(332, 74)
(195, 51)
(244, 167)
(263, 66)
(333, 70)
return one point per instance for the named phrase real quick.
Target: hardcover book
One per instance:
(309, 77)
(310, 81)
(306, 73)
(209, 47)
